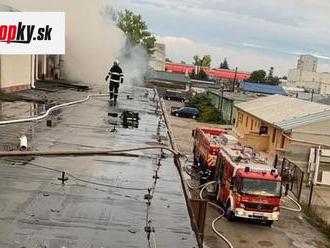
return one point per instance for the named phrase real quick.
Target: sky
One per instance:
(251, 34)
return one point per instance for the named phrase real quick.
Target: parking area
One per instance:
(292, 230)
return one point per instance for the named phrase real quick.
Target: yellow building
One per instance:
(275, 123)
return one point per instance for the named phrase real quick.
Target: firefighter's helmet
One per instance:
(116, 62)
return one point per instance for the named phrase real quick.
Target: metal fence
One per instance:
(292, 177)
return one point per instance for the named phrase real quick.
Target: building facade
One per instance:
(16, 72)
(307, 63)
(225, 103)
(305, 76)
(268, 124)
(319, 82)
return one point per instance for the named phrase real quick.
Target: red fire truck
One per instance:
(206, 146)
(248, 186)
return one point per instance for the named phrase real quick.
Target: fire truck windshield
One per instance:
(260, 187)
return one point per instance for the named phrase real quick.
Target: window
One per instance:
(263, 130)
(252, 124)
(247, 121)
(260, 187)
(274, 135)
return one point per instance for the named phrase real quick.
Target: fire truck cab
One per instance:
(248, 186)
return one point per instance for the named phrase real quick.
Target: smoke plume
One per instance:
(93, 40)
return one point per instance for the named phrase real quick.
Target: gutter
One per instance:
(305, 141)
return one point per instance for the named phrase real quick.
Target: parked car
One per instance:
(174, 95)
(186, 112)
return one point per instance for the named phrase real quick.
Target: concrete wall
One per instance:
(307, 63)
(248, 128)
(317, 132)
(257, 142)
(16, 72)
(246, 123)
(320, 82)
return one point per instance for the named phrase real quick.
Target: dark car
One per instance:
(186, 112)
(174, 95)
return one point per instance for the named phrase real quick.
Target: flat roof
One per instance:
(285, 112)
(237, 96)
(91, 210)
(167, 77)
(262, 88)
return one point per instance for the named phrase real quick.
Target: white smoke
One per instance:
(93, 40)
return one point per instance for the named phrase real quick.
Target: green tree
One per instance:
(258, 76)
(201, 75)
(205, 61)
(224, 64)
(208, 113)
(136, 30)
(271, 73)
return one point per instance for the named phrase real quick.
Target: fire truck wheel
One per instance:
(269, 223)
(229, 214)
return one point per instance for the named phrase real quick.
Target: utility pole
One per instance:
(234, 83)
(221, 100)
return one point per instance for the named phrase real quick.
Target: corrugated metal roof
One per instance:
(237, 96)
(167, 77)
(285, 112)
(262, 88)
(304, 120)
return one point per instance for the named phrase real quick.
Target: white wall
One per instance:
(317, 132)
(307, 63)
(16, 70)
(319, 81)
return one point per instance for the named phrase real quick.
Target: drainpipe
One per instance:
(33, 66)
(234, 83)
(231, 112)
(221, 103)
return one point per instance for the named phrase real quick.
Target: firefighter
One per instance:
(116, 78)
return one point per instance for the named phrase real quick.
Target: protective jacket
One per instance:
(116, 75)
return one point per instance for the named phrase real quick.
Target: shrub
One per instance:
(208, 113)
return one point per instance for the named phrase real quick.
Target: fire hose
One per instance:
(40, 117)
(105, 152)
(218, 218)
(204, 186)
(297, 210)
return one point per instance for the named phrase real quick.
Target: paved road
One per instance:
(292, 230)
(36, 211)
